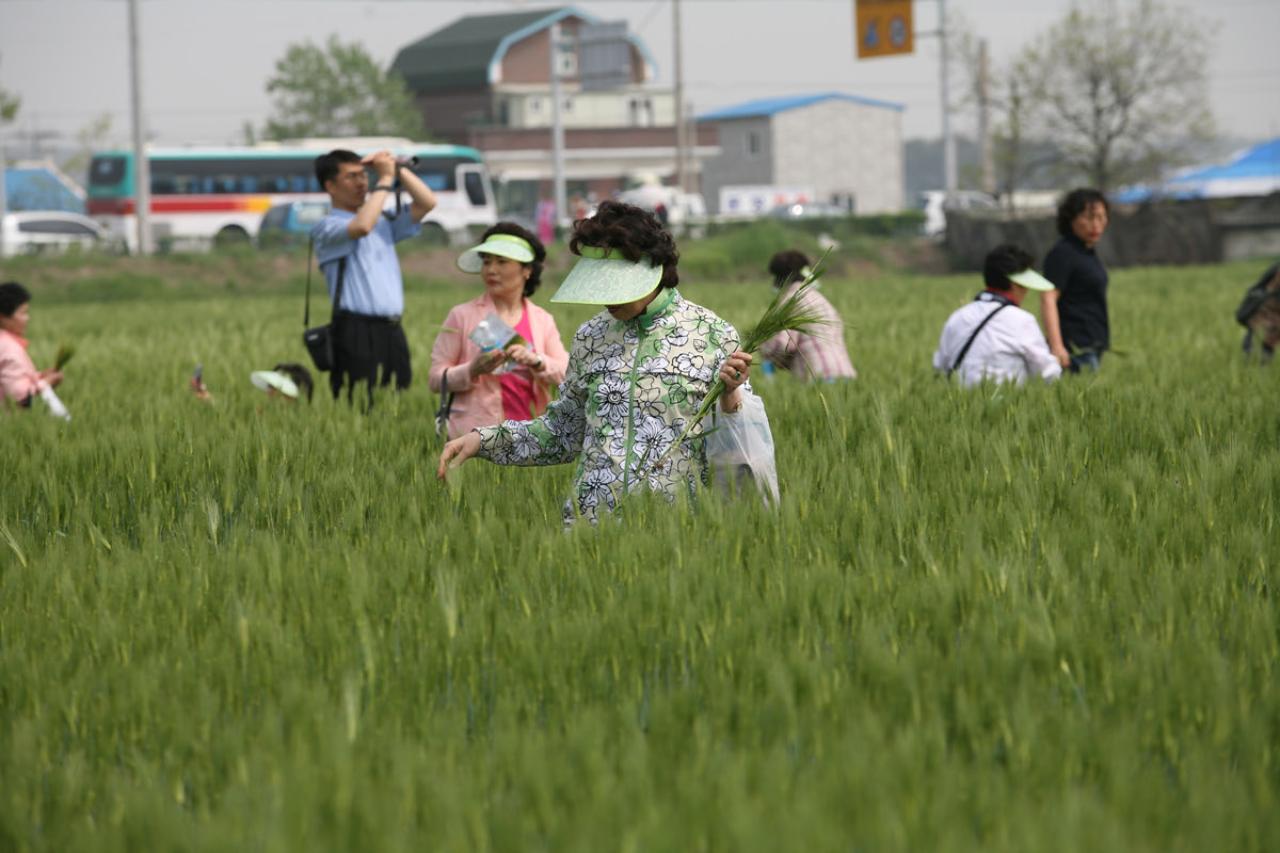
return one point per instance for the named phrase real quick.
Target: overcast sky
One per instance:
(206, 62)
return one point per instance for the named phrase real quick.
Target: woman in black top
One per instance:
(1075, 313)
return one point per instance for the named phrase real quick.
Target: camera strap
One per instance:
(337, 291)
(397, 187)
(1004, 303)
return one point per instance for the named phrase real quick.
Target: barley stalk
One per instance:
(783, 315)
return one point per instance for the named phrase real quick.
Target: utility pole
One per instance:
(4, 198)
(948, 142)
(690, 148)
(984, 119)
(682, 141)
(557, 132)
(141, 165)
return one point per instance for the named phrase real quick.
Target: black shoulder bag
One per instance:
(1255, 296)
(965, 350)
(319, 340)
(446, 406)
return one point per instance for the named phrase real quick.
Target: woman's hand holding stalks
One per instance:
(486, 362)
(522, 355)
(734, 373)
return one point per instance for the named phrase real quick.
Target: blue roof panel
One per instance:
(773, 106)
(1260, 161)
(37, 188)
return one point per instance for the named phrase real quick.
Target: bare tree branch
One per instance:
(1127, 95)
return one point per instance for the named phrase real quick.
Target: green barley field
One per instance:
(1013, 620)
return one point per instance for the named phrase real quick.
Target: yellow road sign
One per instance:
(884, 27)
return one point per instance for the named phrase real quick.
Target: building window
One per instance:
(640, 112)
(535, 105)
(568, 105)
(753, 143)
(568, 63)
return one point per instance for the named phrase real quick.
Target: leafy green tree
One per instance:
(8, 106)
(89, 138)
(338, 90)
(1122, 92)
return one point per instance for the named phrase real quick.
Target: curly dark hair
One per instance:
(1003, 261)
(634, 232)
(786, 265)
(12, 297)
(1077, 202)
(539, 251)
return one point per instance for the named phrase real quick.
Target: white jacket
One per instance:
(1008, 349)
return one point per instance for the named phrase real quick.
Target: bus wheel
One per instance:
(230, 237)
(434, 234)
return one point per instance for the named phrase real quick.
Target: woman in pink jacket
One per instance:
(19, 379)
(509, 260)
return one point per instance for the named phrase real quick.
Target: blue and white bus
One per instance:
(200, 196)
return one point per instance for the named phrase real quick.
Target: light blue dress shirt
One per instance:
(372, 284)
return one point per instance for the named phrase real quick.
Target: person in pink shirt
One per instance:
(819, 355)
(19, 379)
(514, 383)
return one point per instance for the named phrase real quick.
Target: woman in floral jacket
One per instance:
(637, 373)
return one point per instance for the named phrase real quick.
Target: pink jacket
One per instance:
(479, 403)
(819, 355)
(19, 378)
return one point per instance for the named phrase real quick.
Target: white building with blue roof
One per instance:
(842, 148)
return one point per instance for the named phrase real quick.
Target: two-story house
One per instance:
(485, 81)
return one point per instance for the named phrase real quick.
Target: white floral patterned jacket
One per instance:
(629, 390)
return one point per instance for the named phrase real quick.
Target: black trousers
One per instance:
(367, 349)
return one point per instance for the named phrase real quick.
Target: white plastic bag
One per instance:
(740, 450)
(50, 397)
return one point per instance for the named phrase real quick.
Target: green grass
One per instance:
(1036, 619)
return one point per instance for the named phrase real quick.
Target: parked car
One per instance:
(29, 232)
(680, 208)
(290, 224)
(808, 210)
(935, 205)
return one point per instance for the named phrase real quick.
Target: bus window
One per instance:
(439, 174)
(106, 170)
(474, 185)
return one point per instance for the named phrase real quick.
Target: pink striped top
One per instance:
(820, 355)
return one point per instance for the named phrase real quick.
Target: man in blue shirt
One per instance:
(357, 242)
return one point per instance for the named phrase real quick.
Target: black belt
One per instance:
(388, 320)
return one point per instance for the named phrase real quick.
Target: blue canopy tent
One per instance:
(1253, 172)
